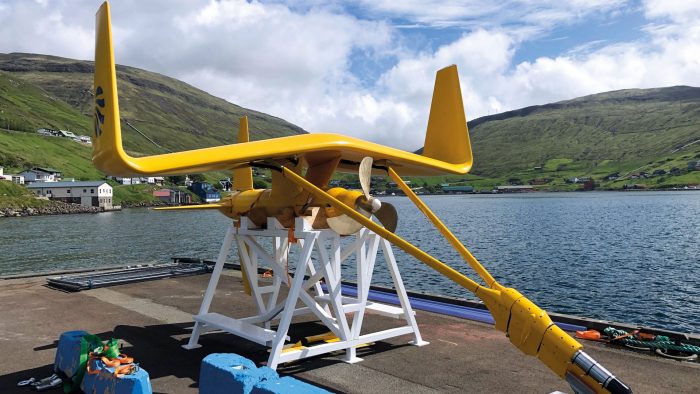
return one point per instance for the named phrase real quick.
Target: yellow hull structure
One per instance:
(301, 170)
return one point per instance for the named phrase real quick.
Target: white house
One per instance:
(90, 193)
(123, 181)
(18, 179)
(126, 181)
(41, 174)
(49, 132)
(152, 180)
(67, 134)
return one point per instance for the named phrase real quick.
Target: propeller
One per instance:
(384, 212)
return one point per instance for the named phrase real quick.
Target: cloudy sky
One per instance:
(366, 68)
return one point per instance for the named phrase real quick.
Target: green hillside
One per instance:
(617, 130)
(16, 197)
(26, 107)
(633, 133)
(174, 114)
(20, 150)
(38, 91)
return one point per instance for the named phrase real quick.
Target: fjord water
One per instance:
(631, 257)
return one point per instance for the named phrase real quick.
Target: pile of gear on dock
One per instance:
(636, 339)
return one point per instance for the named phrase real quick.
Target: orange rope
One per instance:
(123, 365)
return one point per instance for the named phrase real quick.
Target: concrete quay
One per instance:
(154, 319)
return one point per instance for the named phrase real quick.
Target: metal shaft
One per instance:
(596, 371)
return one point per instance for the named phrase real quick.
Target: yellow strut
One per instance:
(463, 251)
(529, 327)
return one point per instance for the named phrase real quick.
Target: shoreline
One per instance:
(548, 191)
(60, 208)
(57, 208)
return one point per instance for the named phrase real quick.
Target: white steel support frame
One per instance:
(326, 301)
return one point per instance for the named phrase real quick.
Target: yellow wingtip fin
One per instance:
(107, 152)
(447, 137)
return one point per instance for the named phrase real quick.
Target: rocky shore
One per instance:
(55, 208)
(143, 204)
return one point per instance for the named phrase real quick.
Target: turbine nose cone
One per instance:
(376, 204)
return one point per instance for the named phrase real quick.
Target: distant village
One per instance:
(48, 183)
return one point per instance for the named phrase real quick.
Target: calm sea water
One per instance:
(632, 257)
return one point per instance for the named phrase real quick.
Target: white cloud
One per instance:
(298, 62)
(36, 27)
(537, 14)
(683, 11)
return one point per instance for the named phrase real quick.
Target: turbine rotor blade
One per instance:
(387, 216)
(343, 225)
(365, 174)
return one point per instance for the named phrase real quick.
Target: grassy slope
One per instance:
(625, 129)
(174, 114)
(19, 150)
(43, 91)
(16, 196)
(25, 106)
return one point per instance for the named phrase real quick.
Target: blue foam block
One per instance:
(68, 352)
(106, 382)
(286, 385)
(267, 373)
(225, 373)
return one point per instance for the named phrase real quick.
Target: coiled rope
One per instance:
(659, 342)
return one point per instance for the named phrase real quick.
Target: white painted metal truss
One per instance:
(326, 301)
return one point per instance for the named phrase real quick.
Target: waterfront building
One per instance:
(151, 180)
(514, 189)
(88, 193)
(172, 196)
(458, 189)
(41, 174)
(206, 192)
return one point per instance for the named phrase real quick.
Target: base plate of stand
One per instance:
(353, 360)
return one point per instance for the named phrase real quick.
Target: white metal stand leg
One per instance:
(401, 293)
(290, 305)
(211, 288)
